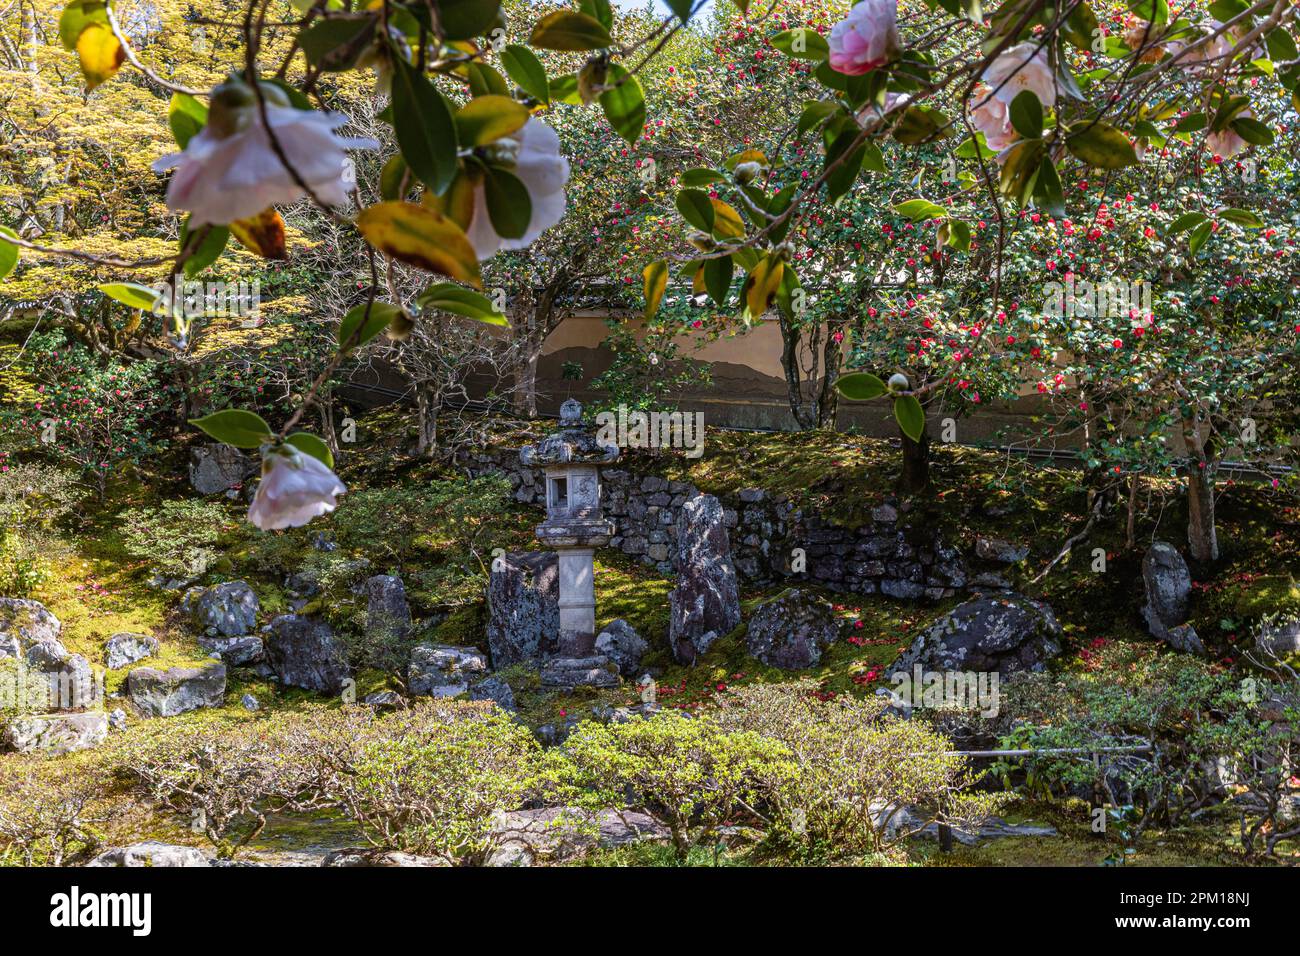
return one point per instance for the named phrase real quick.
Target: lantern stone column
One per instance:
(574, 527)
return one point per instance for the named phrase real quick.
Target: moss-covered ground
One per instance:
(102, 588)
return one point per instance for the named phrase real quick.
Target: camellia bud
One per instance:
(746, 173)
(897, 382)
(230, 108)
(399, 327)
(702, 241)
(590, 79)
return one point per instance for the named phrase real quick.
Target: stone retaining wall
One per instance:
(888, 555)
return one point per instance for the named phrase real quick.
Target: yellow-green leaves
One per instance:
(522, 66)
(446, 297)
(8, 252)
(235, 427)
(761, 284)
(1101, 145)
(860, 386)
(655, 281)
(100, 54)
(309, 444)
(363, 322)
(486, 119)
(426, 132)
(186, 116)
(421, 237)
(131, 294)
(624, 103)
(569, 30)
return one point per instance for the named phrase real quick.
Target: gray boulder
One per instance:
(570, 672)
(524, 599)
(304, 653)
(223, 610)
(46, 655)
(384, 700)
(1003, 633)
(388, 616)
(553, 834)
(996, 549)
(56, 733)
(235, 651)
(706, 597)
(620, 642)
(166, 693)
(792, 629)
(151, 854)
(73, 684)
(1278, 635)
(1168, 586)
(368, 856)
(122, 650)
(495, 690)
(216, 467)
(441, 670)
(23, 623)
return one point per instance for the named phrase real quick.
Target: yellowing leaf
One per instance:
(726, 221)
(485, 119)
(100, 54)
(761, 285)
(656, 281)
(458, 203)
(421, 237)
(262, 234)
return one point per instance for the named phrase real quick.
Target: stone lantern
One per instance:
(574, 528)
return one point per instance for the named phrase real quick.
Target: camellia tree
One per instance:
(1026, 100)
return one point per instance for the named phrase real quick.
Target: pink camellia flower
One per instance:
(991, 118)
(543, 171)
(295, 488)
(866, 38)
(1226, 143)
(229, 169)
(1022, 67)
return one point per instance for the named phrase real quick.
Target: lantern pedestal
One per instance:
(574, 528)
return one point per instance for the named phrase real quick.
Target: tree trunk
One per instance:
(1202, 538)
(325, 403)
(526, 382)
(916, 464)
(427, 405)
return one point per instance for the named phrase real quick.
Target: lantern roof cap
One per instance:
(571, 443)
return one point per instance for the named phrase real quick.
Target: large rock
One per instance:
(553, 834)
(24, 623)
(235, 651)
(217, 467)
(57, 733)
(495, 690)
(1006, 633)
(304, 653)
(706, 598)
(166, 693)
(570, 672)
(388, 616)
(1278, 636)
(524, 598)
(369, 856)
(223, 610)
(73, 684)
(792, 629)
(1168, 586)
(151, 854)
(620, 642)
(122, 650)
(442, 670)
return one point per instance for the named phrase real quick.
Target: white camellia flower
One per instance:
(230, 171)
(1022, 67)
(543, 170)
(295, 488)
(867, 38)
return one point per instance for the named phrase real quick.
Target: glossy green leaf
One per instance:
(235, 427)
